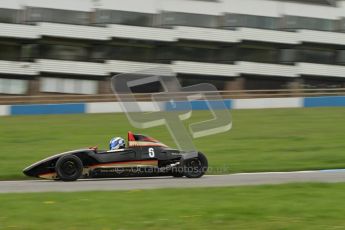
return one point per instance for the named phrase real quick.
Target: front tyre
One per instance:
(195, 167)
(69, 168)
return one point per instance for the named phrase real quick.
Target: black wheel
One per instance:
(69, 168)
(195, 167)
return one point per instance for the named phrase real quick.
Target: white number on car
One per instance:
(151, 152)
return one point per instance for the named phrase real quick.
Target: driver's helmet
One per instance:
(117, 143)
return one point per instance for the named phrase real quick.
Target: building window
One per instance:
(99, 52)
(287, 56)
(316, 2)
(316, 55)
(29, 52)
(141, 51)
(34, 14)
(13, 86)
(341, 57)
(253, 82)
(164, 53)
(226, 54)
(189, 80)
(198, 53)
(10, 51)
(131, 53)
(342, 25)
(231, 21)
(71, 86)
(257, 54)
(293, 23)
(9, 16)
(322, 83)
(123, 18)
(132, 50)
(64, 52)
(170, 19)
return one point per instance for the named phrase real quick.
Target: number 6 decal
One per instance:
(151, 152)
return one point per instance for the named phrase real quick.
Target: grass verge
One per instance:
(260, 140)
(293, 206)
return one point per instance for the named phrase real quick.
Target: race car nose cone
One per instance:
(29, 171)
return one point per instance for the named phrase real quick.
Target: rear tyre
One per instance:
(69, 168)
(195, 167)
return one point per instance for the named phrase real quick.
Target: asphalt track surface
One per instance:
(241, 179)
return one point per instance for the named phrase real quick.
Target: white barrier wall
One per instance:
(115, 107)
(266, 103)
(103, 107)
(4, 110)
(259, 103)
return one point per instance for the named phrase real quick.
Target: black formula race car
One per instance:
(144, 156)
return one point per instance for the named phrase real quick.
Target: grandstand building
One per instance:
(75, 46)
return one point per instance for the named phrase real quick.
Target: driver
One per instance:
(117, 143)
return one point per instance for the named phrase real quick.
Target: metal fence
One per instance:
(236, 94)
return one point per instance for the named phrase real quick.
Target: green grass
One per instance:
(260, 140)
(294, 206)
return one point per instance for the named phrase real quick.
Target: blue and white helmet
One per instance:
(117, 143)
